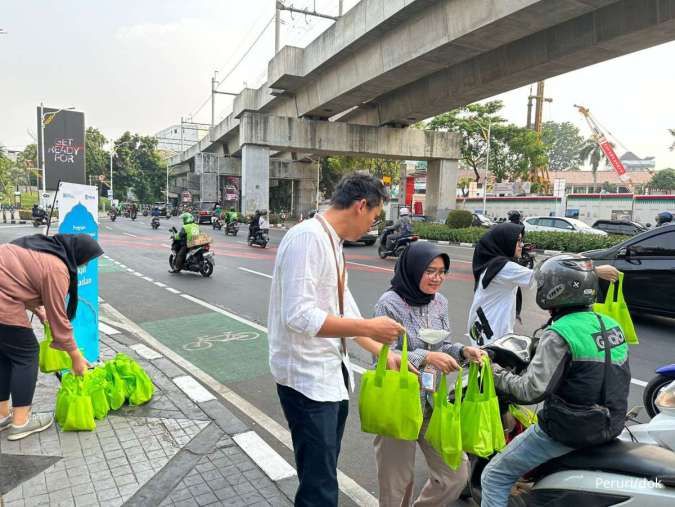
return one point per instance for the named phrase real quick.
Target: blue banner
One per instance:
(78, 213)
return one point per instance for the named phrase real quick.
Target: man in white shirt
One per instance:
(311, 313)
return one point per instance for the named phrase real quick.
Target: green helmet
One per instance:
(187, 218)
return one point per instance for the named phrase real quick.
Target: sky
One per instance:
(142, 65)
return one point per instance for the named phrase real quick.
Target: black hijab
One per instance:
(73, 249)
(410, 269)
(494, 250)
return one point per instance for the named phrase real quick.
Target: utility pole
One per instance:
(281, 7)
(529, 109)
(340, 8)
(539, 174)
(213, 98)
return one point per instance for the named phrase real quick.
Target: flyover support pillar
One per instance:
(441, 195)
(255, 178)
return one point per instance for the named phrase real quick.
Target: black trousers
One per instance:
(19, 352)
(316, 430)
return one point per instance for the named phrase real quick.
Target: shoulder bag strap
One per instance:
(608, 358)
(341, 276)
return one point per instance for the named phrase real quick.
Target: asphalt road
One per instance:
(136, 282)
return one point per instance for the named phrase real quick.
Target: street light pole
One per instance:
(112, 194)
(42, 149)
(487, 165)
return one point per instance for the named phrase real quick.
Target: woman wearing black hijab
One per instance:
(36, 273)
(497, 279)
(414, 301)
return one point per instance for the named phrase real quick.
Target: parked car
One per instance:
(648, 263)
(623, 227)
(559, 224)
(480, 220)
(205, 212)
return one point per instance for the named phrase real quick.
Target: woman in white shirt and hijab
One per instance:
(497, 279)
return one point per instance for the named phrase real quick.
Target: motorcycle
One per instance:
(217, 223)
(41, 220)
(133, 215)
(232, 228)
(527, 256)
(664, 376)
(260, 238)
(154, 223)
(397, 248)
(199, 259)
(617, 472)
(660, 430)
(112, 215)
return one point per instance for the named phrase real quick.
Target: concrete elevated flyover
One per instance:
(389, 63)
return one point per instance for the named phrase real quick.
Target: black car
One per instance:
(622, 227)
(648, 263)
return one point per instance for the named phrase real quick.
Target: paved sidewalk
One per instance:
(176, 450)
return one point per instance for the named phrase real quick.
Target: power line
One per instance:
(262, 32)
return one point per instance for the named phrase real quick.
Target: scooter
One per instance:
(664, 376)
(199, 259)
(217, 223)
(232, 228)
(113, 215)
(260, 238)
(660, 430)
(154, 223)
(618, 472)
(41, 220)
(397, 248)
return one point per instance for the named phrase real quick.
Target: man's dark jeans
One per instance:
(316, 429)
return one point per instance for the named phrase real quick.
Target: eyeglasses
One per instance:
(435, 273)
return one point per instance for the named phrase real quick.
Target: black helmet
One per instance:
(514, 216)
(664, 217)
(565, 281)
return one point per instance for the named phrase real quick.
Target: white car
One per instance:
(559, 224)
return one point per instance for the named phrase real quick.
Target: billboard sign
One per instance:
(64, 145)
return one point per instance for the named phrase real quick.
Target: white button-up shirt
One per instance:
(304, 292)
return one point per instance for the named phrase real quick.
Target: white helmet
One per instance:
(404, 212)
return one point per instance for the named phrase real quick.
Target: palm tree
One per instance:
(591, 152)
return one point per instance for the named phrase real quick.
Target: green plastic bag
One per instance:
(52, 360)
(389, 401)
(79, 412)
(95, 385)
(482, 430)
(139, 387)
(63, 396)
(116, 388)
(444, 432)
(523, 415)
(615, 307)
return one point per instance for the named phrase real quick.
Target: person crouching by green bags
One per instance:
(580, 371)
(414, 301)
(37, 272)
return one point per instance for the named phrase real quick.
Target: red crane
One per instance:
(606, 147)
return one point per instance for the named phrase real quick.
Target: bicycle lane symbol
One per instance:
(206, 342)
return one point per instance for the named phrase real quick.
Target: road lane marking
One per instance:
(132, 235)
(147, 278)
(165, 245)
(193, 389)
(123, 265)
(173, 291)
(108, 227)
(370, 266)
(130, 270)
(350, 487)
(225, 312)
(255, 272)
(160, 284)
(137, 273)
(276, 467)
(638, 382)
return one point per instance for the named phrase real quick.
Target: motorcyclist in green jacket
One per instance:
(231, 216)
(189, 230)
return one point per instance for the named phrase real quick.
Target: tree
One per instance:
(563, 145)
(98, 159)
(514, 150)
(663, 180)
(672, 133)
(138, 167)
(592, 153)
(334, 168)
